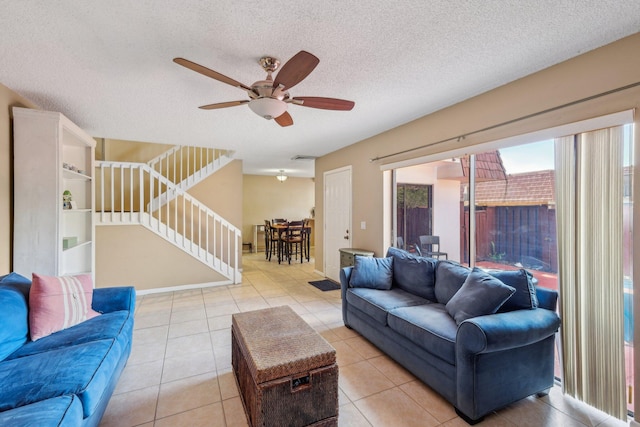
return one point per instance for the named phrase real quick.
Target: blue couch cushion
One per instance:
(14, 313)
(84, 370)
(63, 411)
(449, 278)
(525, 296)
(481, 294)
(413, 273)
(429, 327)
(376, 303)
(374, 273)
(108, 325)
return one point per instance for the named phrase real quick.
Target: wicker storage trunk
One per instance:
(286, 372)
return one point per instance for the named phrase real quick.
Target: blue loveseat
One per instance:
(68, 377)
(480, 339)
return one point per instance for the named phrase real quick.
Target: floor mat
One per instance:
(325, 285)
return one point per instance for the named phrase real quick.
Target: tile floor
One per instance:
(179, 372)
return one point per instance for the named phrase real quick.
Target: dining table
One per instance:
(282, 228)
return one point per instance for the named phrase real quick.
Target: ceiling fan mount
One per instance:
(269, 63)
(270, 98)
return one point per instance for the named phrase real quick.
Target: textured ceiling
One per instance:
(107, 65)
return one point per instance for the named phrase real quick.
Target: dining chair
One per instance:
(430, 246)
(271, 240)
(294, 238)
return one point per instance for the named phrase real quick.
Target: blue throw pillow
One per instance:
(414, 274)
(481, 294)
(449, 278)
(525, 296)
(374, 273)
(14, 314)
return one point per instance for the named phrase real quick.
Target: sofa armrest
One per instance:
(106, 300)
(345, 275)
(502, 331)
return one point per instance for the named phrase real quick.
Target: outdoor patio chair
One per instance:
(430, 246)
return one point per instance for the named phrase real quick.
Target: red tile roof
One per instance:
(530, 188)
(488, 166)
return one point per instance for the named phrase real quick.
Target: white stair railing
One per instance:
(124, 191)
(185, 166)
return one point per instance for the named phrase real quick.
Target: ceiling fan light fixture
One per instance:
(269, 108)
(281, 176)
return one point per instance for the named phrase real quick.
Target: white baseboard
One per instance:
(184, 288)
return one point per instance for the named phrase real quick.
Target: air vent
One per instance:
(303, 157)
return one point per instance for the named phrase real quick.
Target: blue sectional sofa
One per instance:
(481, 339)
(68, 377)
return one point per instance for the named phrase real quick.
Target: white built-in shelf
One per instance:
(44, 143)
(69, 174)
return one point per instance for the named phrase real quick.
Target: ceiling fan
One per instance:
(270, 98)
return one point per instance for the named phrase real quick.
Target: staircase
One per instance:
(154, 195)
(186, 166)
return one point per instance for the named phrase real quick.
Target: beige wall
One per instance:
(8, 99)
(595, 72)
(131, 255)
(118, 150)
(267, 198)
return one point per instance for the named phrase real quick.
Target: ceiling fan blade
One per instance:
(210, 73)
(296, 69)
(324, 103)
(284, 119)
(223, 105)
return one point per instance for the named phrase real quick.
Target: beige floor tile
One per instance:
(223, 357)
(344, 333)
(579, 410)
(329, 335)
(219, 322)
(194, 313)
(142, 375)
(254, 303)
(342, 398)
(205, 416)
(531, 412)
(350, 416)
(234, 413)
(148, 345)
(187, 366)
(147, 336)
(396, 373)
(186, 345)
(186, 394)
(363, 347)
(345, 354)
(131, 409)
(221, 338)
(330, 316)
(426, 397)
(226, 308)
(152, 319)
(218, 298)
(361, 379)
(394, 408)
(228, 384)
(188, 328)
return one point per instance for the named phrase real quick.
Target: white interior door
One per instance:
(337, 218)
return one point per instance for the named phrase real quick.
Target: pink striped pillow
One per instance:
(57, 303)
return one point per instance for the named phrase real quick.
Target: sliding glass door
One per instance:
(506, 204)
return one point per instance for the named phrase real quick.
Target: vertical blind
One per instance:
(589, 196)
